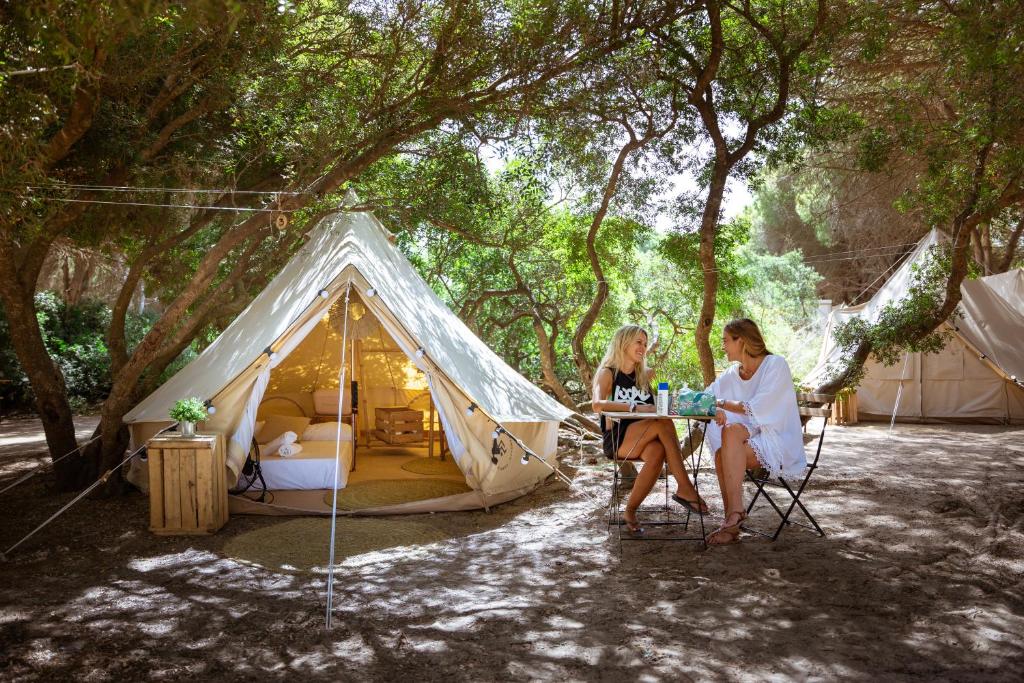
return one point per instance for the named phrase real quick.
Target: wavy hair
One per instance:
(747, 330)
(616, 353)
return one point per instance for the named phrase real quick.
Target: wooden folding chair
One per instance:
(811, 406)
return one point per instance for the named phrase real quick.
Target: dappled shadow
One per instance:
(919, 578)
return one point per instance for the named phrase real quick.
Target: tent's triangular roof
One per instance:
(356, 239)
(894, 289)
(991, 319)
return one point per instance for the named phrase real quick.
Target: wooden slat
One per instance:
(222, 487)
(156, 487)
(172, 489)
(815, 412)
(205, 489)
(189, 511)
(815, 398)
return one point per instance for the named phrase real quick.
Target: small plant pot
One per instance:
(187, 428)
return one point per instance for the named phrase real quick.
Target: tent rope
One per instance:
(103, 478)
(337, 460)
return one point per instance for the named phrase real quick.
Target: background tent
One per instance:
(975, 378)
(351, 252)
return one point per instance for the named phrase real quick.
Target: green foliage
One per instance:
(75, 339)
(188, 410)
(903, 325)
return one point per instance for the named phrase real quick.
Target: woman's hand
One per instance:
(720, 417)
(645, 408)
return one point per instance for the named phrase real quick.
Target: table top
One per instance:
(652, 416)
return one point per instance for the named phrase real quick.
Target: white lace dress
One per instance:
(770, 415)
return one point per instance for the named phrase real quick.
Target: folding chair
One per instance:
(810, 405)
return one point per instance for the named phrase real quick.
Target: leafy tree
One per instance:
(938, 85)
(249, 99)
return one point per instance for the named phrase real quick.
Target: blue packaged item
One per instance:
(690, 402)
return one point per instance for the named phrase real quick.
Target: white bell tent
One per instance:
(402, 342)
(977, 377)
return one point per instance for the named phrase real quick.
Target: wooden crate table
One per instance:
(398, 425)
(846, 409)
(188, 491)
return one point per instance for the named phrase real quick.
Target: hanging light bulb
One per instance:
(495, 433)
(210, 409)
(324, 294)
(525, 460)
(469, 409)
(420, 352)
(371, 291)
(270, 353)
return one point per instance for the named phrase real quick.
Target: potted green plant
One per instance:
(186, 412)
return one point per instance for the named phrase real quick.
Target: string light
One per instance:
(324, 293)
(270, 353)
(371, 292)
(469, 409)
(420, 352)
(210, 408)
(525, 460)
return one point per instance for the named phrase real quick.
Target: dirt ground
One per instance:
(919, 578)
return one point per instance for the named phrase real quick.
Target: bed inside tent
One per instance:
(392, 449)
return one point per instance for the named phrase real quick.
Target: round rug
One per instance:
(303, 544)
(378, 493)
(431, 466)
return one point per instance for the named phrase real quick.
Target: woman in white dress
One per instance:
(757, 422)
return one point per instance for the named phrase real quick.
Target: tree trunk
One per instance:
(579, 353)
(708, 231)
(45, 377)
(547, 365)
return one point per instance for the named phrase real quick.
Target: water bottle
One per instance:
(662, 401)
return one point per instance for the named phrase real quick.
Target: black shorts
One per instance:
(613, 435)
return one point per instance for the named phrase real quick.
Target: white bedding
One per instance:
(312, 468)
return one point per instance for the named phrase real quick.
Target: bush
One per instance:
(75, 337)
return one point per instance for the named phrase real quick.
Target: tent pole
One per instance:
(337, 461)
(899, 393)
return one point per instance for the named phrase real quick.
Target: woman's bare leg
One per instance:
(737, 456)
(731, 463)
(640, 434)
(674, 456)
(721, 478)
(652, 456)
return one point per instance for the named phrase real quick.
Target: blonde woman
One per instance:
(757, 422)
(622, 384)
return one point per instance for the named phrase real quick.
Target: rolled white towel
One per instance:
(272, 447)
(289, 449)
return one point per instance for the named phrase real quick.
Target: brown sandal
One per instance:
(730, 531)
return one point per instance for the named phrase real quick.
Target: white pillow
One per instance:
(326, 431)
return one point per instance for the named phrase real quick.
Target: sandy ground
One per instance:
(919, 578)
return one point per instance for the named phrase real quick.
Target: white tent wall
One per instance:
(352, 249)
(953, 385)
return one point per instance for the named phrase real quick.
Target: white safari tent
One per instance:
(286, 353)
(977, 377)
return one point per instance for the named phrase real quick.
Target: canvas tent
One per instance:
(273, 344)
(975, 378)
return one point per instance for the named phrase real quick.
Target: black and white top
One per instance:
(624, 390)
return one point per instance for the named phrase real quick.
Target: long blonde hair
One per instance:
(749, 333)
(616, 354)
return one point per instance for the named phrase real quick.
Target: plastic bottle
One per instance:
(662, 401)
